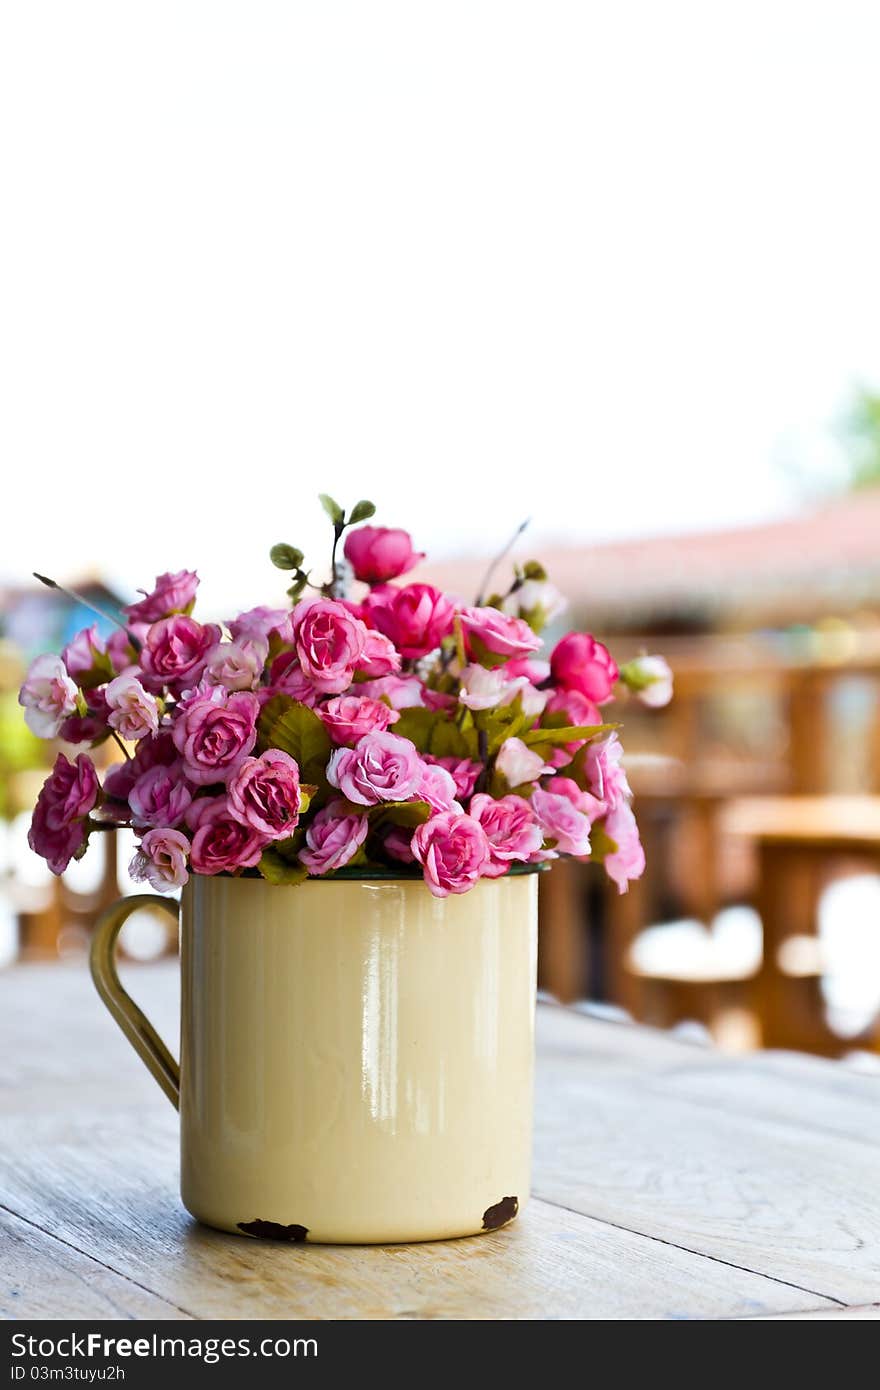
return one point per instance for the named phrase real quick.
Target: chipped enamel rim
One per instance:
(363, 871)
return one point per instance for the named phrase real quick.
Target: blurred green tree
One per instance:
(860, 436)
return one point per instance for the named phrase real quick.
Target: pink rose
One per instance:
(286, 677)
(174, 593)
(221, 843)
(161, 860)
(237, 665)
(121, 651)
(561, 822)
(175, 651)
(581, 663)
(511, 830)
(627, 861)
(380, 553)
(453, 851)
(416, 617)
(463, 771)
(483, 689)
(264, 794)
(578, 710)
(397, 844)
(260, 623)
(531, 667)
(402, 692)
(333, 838)
(215, 733)
(159, 797)
(158, 751)
(381, 767)
(58, 831)
(134, 713)
(381, 657)
(519, 763)
(608, 785)
(494, 637)
(86, 658)
(48, 696)
(330, 643)
(349, 717)
(581, 800)
(92, 726)
(437, 787)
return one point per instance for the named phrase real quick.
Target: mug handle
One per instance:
(133, 1022)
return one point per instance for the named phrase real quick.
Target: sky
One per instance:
(608, 266)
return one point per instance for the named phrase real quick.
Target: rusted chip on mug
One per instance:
(500, 1214)
(271, 1230)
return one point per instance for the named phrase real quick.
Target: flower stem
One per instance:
(498, 558)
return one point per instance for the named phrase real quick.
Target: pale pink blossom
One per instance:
(121, 650)
(650, 680)
(48, 696)
(464, 773)
(161, 860)
(519, 763)
(237, 665)
(537, 601)
(349, 717)
(215, 733)
(160, 796)
(259, 624)
(401, 692)
(453, 851)
(627, 861)
(580, 662)
(437, 788)
(264, 794)
(379, 553)
(511, 829)
(605, 775)
(380, 658)
(85, 657)
(381, 767)
(485, 689)
(333, 838)
(562, 823)
(134, 712)
(173, 593)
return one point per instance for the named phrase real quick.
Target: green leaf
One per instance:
(295, 729)
(534, 570)
(297, 586)
(361, 511)
(570, 733)
(286, 557)
(333, 509)
(601, 843)
(276, 869)
(406, 813)
(432, 732)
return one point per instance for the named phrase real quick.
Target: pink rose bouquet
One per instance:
(389, 728)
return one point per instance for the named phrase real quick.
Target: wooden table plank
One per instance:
(699, 1186)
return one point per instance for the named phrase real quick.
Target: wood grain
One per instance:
(673, 1182)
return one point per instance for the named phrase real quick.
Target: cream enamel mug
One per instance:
(356, 1056)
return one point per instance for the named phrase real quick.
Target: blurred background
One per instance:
(609, 268)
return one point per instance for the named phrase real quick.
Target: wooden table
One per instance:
(670, 1182)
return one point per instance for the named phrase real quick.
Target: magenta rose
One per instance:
(260, 623)
(330, 642)
(379, 553)
(576, 708)
(91, 727)
(173, 593)
(381, 767)
(349, 717)
(494, 637)
(215, 733)
(264, 794)
(160, 797)
(161, 860)
(150, 752)
(416, 617)
(333, 838)
(175, 651)
(453, 851)
(221, 843)
(48, 696)
(121, 650)
(58, 831)
(286, 677)
(627, 861)
(464, 773)
(511, 829)
(581, 663)
(561, 822)
(397, 844)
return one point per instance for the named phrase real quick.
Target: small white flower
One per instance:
(48, 696)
